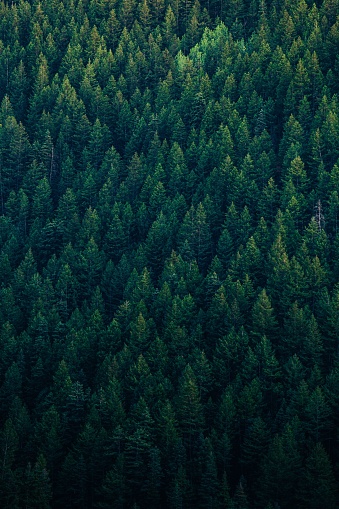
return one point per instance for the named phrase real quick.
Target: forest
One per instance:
(169, 254)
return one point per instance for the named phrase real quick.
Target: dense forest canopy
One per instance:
(169, 263)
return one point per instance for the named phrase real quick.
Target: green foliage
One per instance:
(317, 483)
(169, 254)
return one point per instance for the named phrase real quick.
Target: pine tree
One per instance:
(9, 489)
(264, 322)
(37, 489)
(317, 484)
(281, 469)
(189, 407)
(138, 446)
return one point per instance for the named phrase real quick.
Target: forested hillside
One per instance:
(169, 263)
